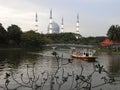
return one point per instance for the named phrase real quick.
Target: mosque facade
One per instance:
(53, 27)
(77, 34)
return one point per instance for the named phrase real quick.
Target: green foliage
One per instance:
(3, 35)
(114, 33)
(15, 37)
(14, 34)
(47, 40)
(93, 40)
(69, 38)
(62, 37)
(32, 39)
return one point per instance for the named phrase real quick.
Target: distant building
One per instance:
(53, 27)
(77, 34)
(77, 25)
(62, 26)
(107, 42)
(36, 22)
(112, 44)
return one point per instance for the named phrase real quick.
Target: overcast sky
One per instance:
(96, 16)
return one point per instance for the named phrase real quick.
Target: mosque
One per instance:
(53, 27)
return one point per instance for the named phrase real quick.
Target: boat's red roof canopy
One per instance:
(108, 42)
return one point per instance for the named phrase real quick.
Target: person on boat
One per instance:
(87, 54)
(84, 54)
(90, 54)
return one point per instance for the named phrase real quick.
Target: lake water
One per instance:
(17, 61)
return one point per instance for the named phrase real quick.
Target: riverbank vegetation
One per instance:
(14, 37)
(114, 33)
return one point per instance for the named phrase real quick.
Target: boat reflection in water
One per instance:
(84, 54)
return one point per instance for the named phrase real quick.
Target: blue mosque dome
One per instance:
(55, 27)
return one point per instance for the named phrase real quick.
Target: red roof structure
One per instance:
(108, 42)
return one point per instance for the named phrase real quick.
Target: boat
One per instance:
(84, 57)
(84, 54)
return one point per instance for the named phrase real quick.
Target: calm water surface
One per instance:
(17, 61)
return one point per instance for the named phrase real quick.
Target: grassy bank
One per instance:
(108, 50)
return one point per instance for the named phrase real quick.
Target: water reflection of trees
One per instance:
(14, 58)
(114, 64)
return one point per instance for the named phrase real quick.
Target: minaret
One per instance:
(62, 25)
(36, 22)
(50, 23)
(77, 25)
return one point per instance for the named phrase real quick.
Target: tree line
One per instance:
(13, 36)
(114, 33)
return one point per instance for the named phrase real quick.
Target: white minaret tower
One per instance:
(36, 22)
(62, 25)
(50, 23)
(77, 25)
